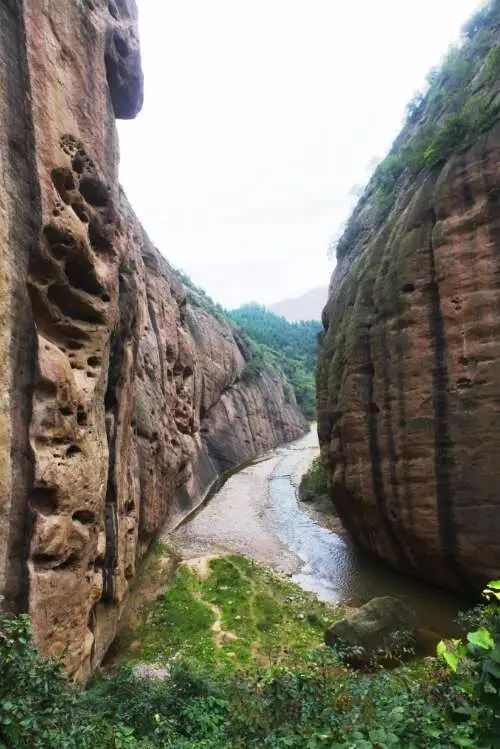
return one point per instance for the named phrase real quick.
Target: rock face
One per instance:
(371, 628)
(120, 401)
(409, 375)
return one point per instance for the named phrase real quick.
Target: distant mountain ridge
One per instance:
(308, 306)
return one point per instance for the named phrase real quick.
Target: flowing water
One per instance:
(257, 513)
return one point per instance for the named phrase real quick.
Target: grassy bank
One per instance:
(240, 665)
(313, 493)
(230, 613)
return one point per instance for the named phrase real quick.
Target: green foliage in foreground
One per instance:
(291, 346)
(315, 703)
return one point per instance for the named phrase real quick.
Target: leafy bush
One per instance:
(35, 702)
(476, 663)
(313, 703)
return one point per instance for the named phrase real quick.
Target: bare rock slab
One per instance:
(371, 628)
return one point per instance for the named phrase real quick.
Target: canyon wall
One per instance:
(120, 401)
(409, 373)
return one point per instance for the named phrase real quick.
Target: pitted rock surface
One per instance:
(120, 402)
(409, 374)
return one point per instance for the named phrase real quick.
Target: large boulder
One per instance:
(371, 628)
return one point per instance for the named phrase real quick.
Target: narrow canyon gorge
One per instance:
(236, 527)
(126, 393)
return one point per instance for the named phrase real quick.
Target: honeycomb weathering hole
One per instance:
(63, 181)
(94, 192)
(81, 275)
(53, 561)
(86, 517)
(60, 240)
(44, 500)
(73, 306)
(80, 212)
(98, 239)
(81, 417)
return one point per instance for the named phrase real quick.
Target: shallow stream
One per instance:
(257, 513)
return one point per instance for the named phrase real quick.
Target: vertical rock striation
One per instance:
(120, 401)
(409, 374)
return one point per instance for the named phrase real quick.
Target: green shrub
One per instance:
(35, 701)
(492, 64)
(313, 483)
(314, 703)
(475, 663)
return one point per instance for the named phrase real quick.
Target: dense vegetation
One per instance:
(313, 490)
(270, 342)
(292, 346)
(461, 102)
(280, 688)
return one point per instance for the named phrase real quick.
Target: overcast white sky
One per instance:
(260, 117)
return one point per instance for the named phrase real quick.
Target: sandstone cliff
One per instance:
(120, 401)
(409, 374)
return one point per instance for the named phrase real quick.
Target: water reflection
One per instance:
(336, 570)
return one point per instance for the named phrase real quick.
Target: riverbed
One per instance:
(257, 513)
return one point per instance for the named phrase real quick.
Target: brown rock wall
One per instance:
(120, 402)
(409, 376)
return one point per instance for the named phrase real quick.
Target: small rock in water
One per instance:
(371, 628)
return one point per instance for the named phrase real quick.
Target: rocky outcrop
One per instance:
(371, 632)
(409, 374)
(120, 401)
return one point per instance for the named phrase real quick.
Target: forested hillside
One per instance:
(269, 341)
(292, 346)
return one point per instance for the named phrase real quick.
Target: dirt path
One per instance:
(256, 514)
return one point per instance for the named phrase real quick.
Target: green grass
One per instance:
(211, 700)
(263, 619)
(313, 484)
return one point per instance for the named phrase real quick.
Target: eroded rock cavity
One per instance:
(120, 401)
(409, 375)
